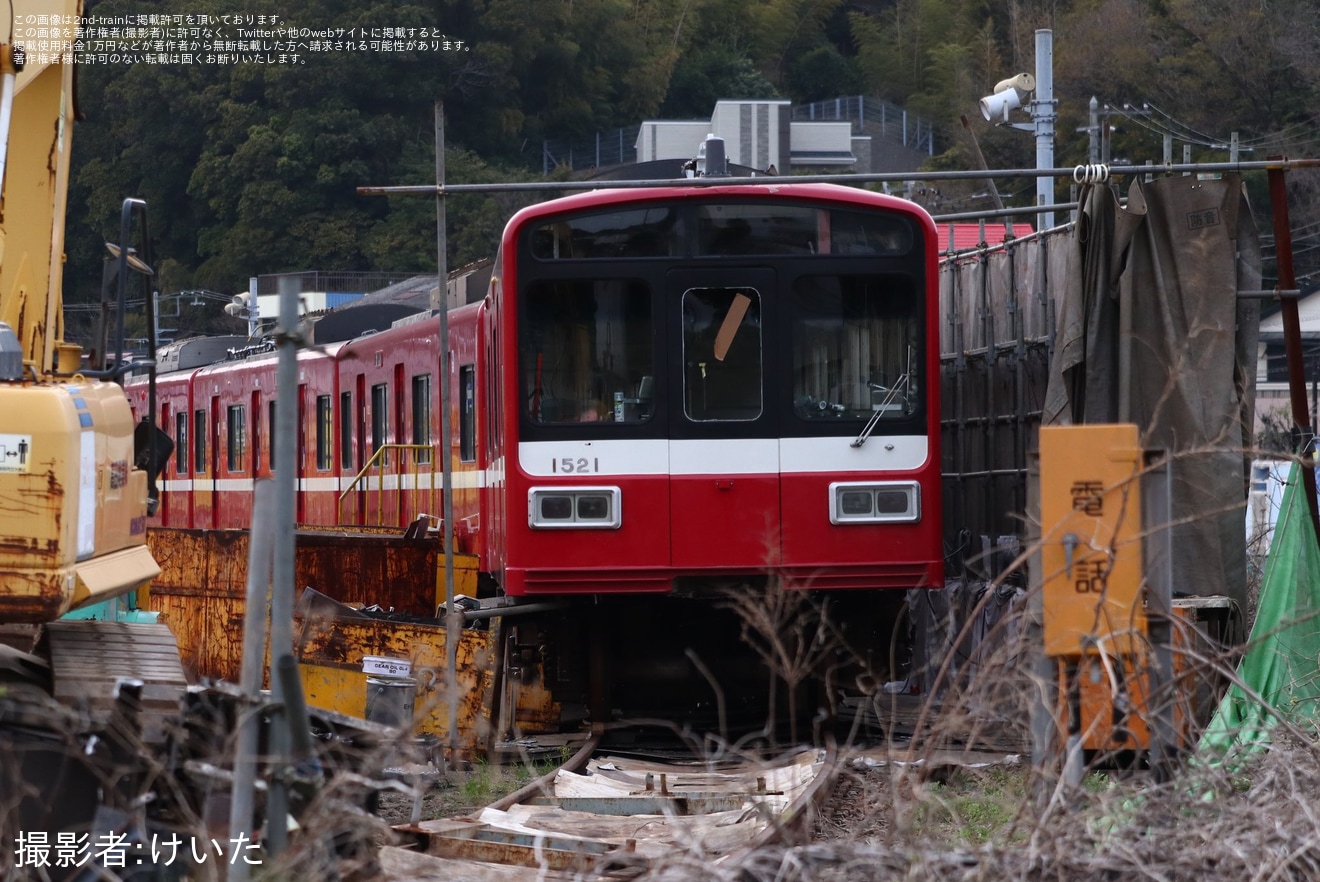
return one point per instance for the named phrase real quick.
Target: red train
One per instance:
(662, 388)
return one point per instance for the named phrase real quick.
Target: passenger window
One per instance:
(380, 398)
(199, 441)
(421, 416)
(237, 437)
(324, 431)
(181, 443)
(467, 413)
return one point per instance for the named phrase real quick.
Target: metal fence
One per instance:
(869, 115)
(873, 116)
(614, 147)
(996, 341)
(331, 282)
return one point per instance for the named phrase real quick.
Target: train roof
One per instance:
(768, 186)
(195, 352)
(411, 325)
(381, 309)
(257, 354)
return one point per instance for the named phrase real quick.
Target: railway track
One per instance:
(608, 816)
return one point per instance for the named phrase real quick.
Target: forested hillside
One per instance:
(251, 168)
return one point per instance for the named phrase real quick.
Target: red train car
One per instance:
(220, 417)
(389, 397)
(663, 388)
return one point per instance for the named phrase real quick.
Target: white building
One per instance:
(757, 134)
(1272, 392)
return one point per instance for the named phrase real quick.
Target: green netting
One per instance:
(1282, 663)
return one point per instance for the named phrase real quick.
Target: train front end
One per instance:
(711, 385)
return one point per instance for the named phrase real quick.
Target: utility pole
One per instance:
(1093, 147)
(1043, 116)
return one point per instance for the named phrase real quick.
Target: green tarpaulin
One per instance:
(1282, 662)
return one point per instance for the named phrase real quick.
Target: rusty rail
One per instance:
(380, 460)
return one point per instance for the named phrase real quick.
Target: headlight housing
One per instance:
(875, 502)
(577, 508)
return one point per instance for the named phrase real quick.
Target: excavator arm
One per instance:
(36, 149)
(73, 504)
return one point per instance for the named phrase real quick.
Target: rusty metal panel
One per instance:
(390, 572)
(405, 575)
(535, 710)
(199, 562)
(334, 688)
(465, 577)
(226, 570)
(30, 597)
(200, 595)
(332, 650)
(200, 592)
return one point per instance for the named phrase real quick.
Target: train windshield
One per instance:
(717, 317)
(856, 347)
(638, 232)
(725, 229)
(588, 352)
(740, 228)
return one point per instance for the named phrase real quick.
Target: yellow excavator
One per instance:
(75, 696)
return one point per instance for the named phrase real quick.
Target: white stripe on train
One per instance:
(609, 458)
(737, 456)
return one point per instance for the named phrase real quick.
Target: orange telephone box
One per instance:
(1090, 514)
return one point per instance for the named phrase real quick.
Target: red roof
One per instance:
(967, 236)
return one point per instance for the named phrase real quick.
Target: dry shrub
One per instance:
(916, 812)
(1205, 824)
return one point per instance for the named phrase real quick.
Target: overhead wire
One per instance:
(1158, 121)
(1305, 239)
(1292, 131)
(1179, 130)
(1133, 115)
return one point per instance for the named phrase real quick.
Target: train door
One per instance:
(183, 460)
(360, 493)
(723, 447)
(256, 438)
(164, 419)
(203, 486)
(213, 462)
(394, 500)
(491, 462)
(300, 511)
